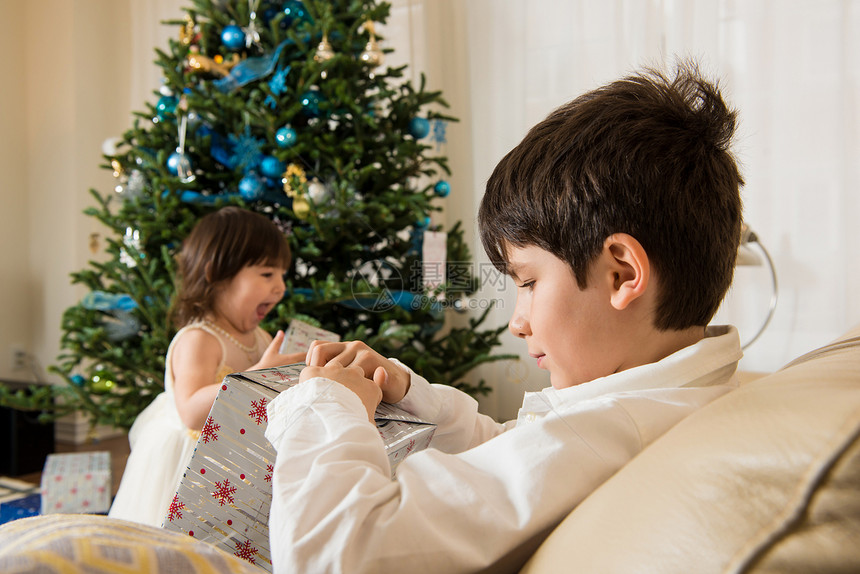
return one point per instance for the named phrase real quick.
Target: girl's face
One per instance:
(569, 331)
(244, 300)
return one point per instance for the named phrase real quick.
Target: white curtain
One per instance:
(791, 67)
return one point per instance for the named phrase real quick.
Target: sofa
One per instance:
(766, 479)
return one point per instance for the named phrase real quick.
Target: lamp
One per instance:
(748, 256)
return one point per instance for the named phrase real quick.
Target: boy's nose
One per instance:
(519, 326)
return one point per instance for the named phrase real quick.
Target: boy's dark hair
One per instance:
(221, 244)
(646, 155)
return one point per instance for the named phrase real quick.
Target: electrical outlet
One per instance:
(19, 359)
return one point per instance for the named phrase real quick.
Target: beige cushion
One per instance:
(765, 479)
(93, 544)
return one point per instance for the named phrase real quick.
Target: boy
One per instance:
(618, 218)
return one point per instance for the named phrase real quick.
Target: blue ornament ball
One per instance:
(419, 127)
(166, 105)
(286, 137)
(272, 167)
(442, 188)
(251, 187)
(294, 12)
(78, 380)
(311, 102)
(177, 161)
(423, 223)
(233, 37)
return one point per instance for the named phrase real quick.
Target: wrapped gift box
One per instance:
(18, 499)
(23, 507)
(76, 482)
(226, 492)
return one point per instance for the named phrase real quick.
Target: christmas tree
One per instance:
(284, 108)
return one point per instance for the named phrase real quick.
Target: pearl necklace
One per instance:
(249, 351)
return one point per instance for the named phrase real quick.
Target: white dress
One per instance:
(161, 446)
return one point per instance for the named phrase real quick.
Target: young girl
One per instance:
(230, 273)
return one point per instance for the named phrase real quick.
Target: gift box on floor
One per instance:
(23, 507)
(76, 482)
(18, 499)
(226, 492)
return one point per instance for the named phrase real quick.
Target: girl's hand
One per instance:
(368, 391)
(392, 380)
(272, 356)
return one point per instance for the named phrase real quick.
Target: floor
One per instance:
(116, 446)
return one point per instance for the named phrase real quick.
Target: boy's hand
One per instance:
(393, 380)
(353, 378)
(272, 356)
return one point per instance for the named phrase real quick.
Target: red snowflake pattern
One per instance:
(270, 469)
(173, 512)
(285, 378)
(209, 431)
(246, 551)
(410, 446)
(258, 411)
(224, 492)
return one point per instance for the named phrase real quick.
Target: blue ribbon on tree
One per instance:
(107, 302)
(406, 300)
(249, 70)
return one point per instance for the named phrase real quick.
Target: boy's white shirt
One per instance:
(468, 502)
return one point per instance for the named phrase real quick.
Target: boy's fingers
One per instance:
(356, 369)
(380, 376)
(310, 359)
(320, 352)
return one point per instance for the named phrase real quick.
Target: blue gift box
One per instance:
(20, 508)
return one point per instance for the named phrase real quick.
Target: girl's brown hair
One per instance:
(221, 244)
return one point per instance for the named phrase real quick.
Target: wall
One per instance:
(16, 306)
(69, 64)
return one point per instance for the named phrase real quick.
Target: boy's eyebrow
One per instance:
(511, 269)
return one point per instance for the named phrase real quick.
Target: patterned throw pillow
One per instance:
(94, 544)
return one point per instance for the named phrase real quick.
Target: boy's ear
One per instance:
(630, 269)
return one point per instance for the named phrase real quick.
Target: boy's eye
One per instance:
(527, 285)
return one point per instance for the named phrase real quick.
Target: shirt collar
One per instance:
(710, 361)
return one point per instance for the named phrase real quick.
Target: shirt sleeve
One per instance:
(335, 507)
(459, 425)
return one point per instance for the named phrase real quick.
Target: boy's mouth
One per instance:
(539, 357)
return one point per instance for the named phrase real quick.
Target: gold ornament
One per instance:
(295, 180)
(94, 243)
(200, 63)
(372, 54)
(324, 52)
(188, 32)
(301, 207)
(117, 167)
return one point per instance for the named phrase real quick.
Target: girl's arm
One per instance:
(195, 361)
